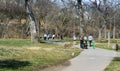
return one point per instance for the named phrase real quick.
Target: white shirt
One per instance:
(74, 37)
(90, 37)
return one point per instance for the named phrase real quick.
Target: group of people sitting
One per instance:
(53, 36)
(45, 36)
(84, 41)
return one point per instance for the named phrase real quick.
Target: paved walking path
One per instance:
(91, 60)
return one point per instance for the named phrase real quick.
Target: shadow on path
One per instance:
(13, 64)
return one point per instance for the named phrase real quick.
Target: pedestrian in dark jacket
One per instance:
(82, 41)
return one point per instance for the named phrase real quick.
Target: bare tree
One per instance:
(81, 17)
(32, 22)
(59, 19)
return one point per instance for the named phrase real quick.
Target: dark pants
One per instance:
(82, 44)
(85, 44)
(90, 41)
(44, 38)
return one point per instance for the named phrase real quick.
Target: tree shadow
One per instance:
(13, 64)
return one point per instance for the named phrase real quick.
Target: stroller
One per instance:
(85, 45)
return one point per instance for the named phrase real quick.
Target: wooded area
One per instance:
(32, 18)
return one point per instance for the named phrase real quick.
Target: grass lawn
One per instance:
(104, 44)
(22, 55)
(114, 66)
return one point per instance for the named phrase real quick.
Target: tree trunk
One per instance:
(105, 35)
(105, 16)
(6, 29)
(81, 15)
(33, 28)
(114, 32)
(100, 34)
(38, 21)
(56, 32)
(114, 28)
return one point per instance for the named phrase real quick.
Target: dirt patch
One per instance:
(34, 48)
(48, 49)
(59, 67)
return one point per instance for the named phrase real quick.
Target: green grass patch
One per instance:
(104, 44)
(114, 65)
(22, 55)
(106, 40)
(15, 42)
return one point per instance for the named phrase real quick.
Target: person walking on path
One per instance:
(85, 42)
(82, 41)
(93, 44)
(90, 38)
(74, 37)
